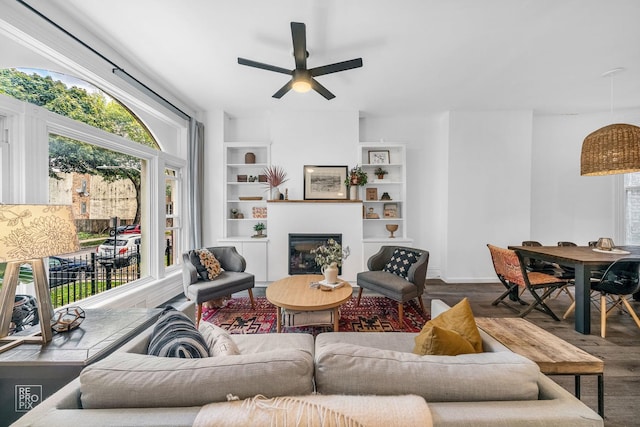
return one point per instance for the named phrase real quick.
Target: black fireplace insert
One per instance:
(301, 260)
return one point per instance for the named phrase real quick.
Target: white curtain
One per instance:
(195, 182)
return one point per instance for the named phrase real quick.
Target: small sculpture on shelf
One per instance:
(371, 214)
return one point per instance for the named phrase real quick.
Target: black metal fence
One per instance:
(90, 275)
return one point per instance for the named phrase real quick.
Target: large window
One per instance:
(4, 160)
(172, 209)
(632, 208)
(111, 168)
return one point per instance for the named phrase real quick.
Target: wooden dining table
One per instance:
(584, 260)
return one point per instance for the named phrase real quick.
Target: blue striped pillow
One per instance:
(175, 335)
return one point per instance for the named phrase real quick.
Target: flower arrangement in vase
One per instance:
(275, 176)
(329, 256)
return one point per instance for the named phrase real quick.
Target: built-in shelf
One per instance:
(393, 183)
(314, 201)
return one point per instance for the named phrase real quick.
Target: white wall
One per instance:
(473, 177)
(489, 191)
(312, 138)
(565, 205)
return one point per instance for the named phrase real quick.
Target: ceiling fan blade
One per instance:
(321, 90)
(334, 68)
(284, 89)
(298, 34)
(267, 67)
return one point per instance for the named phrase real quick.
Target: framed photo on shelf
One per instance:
(378, 157)
(372, 194)
(390, 210)
(325, 182)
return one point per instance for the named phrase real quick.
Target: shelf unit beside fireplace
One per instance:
(237, 186)
(393, 183)
(239, 232)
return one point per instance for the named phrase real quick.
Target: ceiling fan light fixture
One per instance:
(301, 86)
(301, 81)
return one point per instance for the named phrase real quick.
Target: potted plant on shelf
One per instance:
(357, 177)
(258, 228)
(276, 176)
(329, 256)
(380, 172)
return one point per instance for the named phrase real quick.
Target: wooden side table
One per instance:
(294, 293)
(31, 372)
(553, 355)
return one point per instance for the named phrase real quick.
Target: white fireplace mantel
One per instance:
(320, 217)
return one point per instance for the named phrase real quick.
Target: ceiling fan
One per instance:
(302, 79)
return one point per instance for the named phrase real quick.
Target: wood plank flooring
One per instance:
(620, 350)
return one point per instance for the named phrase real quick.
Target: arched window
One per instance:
(102, 178)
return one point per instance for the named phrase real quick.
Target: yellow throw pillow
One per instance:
(439, 341)
(459, 319)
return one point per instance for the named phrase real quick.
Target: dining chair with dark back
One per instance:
(538, 265)
(619, 282)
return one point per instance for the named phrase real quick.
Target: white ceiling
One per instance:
(419, 55)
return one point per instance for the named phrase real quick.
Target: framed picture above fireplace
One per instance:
(325, 182)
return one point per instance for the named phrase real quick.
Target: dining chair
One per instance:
(515, 273)
(538, 265)
(513, 290)
(568, 273)
(618, 283)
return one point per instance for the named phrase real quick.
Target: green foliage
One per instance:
(380, 171)
(357, 176)
(329, 253)
(93, 108)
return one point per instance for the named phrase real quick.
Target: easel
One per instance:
(7, 301)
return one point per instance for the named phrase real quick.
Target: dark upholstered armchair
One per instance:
(231, 280)
(391, 285)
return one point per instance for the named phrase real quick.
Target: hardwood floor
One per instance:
(620, 350)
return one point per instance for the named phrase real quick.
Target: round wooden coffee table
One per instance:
(294, 293)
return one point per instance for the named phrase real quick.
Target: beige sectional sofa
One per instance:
(372, 377)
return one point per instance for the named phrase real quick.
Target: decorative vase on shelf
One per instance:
(353, 192)
(275, 193)
(330, 273)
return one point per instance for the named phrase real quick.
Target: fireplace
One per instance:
(301, 260)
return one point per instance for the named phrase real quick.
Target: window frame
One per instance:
(29, 127)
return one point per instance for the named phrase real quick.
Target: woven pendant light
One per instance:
(610, 150)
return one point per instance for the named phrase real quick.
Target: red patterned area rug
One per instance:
(375, 314)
